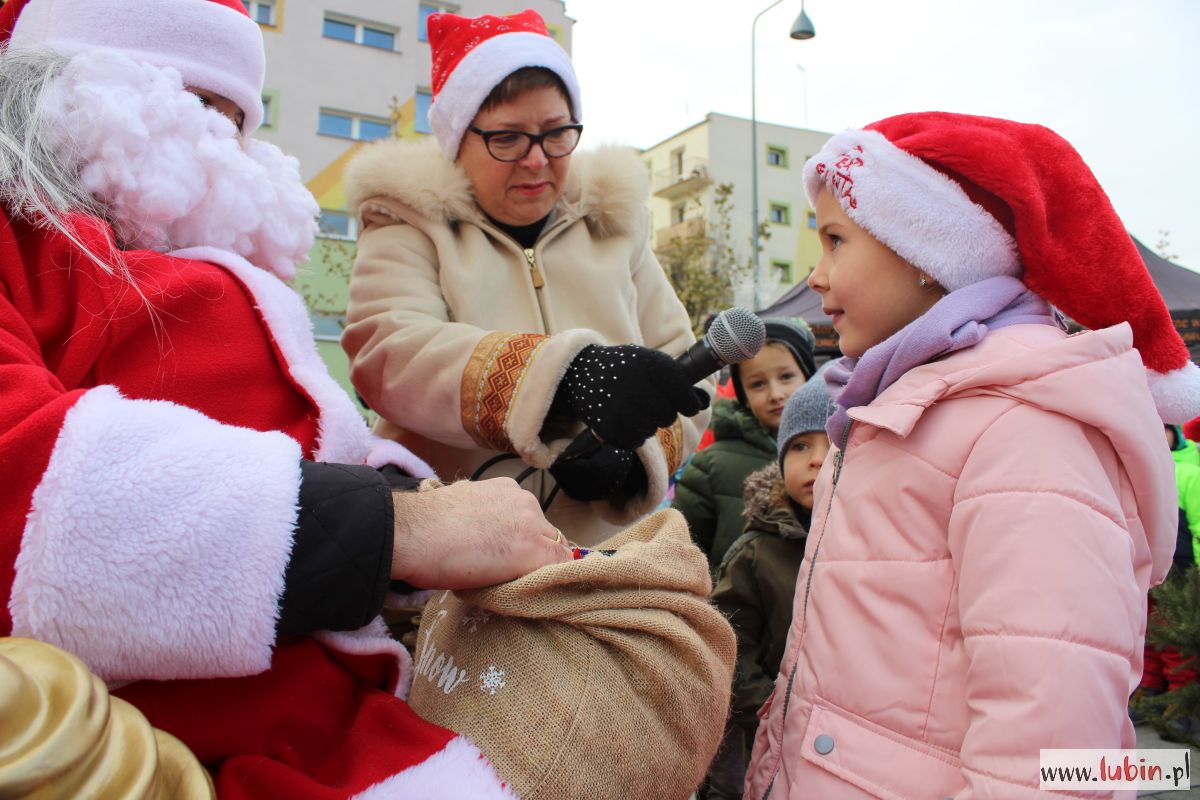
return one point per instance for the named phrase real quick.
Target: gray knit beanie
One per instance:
(806, 411)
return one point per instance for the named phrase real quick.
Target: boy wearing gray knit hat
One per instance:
(757, 579)
(803, 443)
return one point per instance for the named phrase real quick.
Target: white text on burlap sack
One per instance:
(438, 667)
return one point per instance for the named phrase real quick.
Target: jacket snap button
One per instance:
(823, 744)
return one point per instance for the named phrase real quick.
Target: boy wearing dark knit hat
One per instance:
(757, 579)
(709, 493)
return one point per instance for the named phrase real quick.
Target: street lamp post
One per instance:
(802, 28)
(804, 80)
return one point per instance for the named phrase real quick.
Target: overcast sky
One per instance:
(1119, 80)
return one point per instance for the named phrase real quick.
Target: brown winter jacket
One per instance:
(755, 588)
(458, 338)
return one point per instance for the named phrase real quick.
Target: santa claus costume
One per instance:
(174, 457)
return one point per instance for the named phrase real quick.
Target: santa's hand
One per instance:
(467, 535)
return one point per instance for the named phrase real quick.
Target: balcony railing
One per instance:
(688, 227)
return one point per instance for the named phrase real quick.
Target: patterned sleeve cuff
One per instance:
(509, 385)
(491, 380)
(671, 441)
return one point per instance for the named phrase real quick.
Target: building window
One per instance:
(421, 123)
(261, 11)
(782, 270)
(350, 126)
(336, 29)
(369, 129)
(554, 31)
(423, 12)
(780, 214)
(270, 102)
(337, 225)
(678, 212)
(677, 163)
(777, 156)
(369, 34)
(812, 220)
(374, 37)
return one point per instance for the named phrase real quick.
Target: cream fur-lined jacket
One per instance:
(458, 337)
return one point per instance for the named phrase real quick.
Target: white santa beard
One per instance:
(172, 173)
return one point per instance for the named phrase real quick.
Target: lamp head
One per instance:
(803, 28)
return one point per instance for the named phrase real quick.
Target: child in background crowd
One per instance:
(999, 500)
(1166, 669)
(1187, 480)
(757, 578)
(709, 493)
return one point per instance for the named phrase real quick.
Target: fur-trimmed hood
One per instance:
(607, 187)
(768, 507)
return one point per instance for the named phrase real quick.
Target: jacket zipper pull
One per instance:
(538, 280)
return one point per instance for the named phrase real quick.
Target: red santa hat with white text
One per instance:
(213, 43)
(964, 198)
(473, 55)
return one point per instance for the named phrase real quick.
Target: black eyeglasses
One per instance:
(515, 145)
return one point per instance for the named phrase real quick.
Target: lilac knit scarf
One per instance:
(959, 320)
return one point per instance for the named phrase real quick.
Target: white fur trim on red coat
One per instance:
(213, 47)
(343, 435)
(157, 541)
(919, 213)
(458, 771)
(373, 639)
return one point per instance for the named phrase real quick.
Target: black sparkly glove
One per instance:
(625, 393)
(601, 474)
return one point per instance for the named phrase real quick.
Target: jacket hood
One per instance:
(732, 420)
(607, 186)
(1066, 377)
(768, 507)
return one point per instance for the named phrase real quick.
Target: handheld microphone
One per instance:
(736, 335)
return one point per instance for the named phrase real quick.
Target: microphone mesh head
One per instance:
(736, 335)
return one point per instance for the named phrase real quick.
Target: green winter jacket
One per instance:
(754, 590)
(709, 493)
(1187, 478)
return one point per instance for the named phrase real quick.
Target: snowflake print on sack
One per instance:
(476, 619)
(491, 680)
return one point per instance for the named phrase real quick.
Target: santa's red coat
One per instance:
(152, 421)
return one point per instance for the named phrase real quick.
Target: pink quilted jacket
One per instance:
(974, 587)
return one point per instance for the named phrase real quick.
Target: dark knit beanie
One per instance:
(806, 411)
(797, 337)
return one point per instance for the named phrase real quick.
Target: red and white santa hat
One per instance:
(964, 198)
(213, 43)
(473, 55)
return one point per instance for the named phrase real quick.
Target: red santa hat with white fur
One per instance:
(213, 43)
(964, 198)
(473, 55)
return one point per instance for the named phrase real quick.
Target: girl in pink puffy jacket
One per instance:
(998, 501)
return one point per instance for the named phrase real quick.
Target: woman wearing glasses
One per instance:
(505, 295)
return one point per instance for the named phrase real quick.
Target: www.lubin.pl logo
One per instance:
(1116, 769)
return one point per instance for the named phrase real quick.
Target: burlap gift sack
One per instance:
(605, 677)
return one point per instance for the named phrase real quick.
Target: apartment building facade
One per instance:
(686, 168)
(340, 74)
